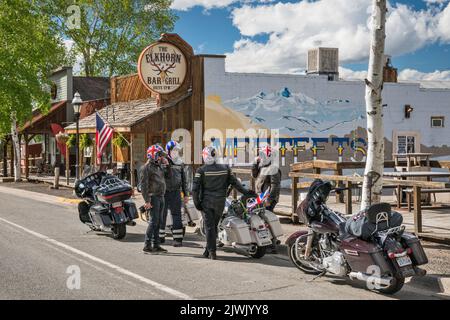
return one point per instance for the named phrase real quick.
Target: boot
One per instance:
(177, 244)
(159, 249)
(148, 248)
(206, 253)
(212, 255)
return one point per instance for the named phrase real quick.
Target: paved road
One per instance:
(40, 238)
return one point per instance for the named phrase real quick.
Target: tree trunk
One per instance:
(16, 142)
(372, 186)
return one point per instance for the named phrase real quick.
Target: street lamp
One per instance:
(76, 103)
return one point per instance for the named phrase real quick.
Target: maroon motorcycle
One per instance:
(371, 246)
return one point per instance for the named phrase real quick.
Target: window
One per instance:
(406, 144)
(437, 122)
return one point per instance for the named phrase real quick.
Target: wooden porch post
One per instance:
(294, 197)
(67, 165)
(11, 163)
(132, 178)
(417, 210)
(5, 158)
(348, 198)
(27, 169)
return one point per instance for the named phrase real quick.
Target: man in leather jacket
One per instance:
(209, 191)
(176, 183)
(153, 187)
(267, 177)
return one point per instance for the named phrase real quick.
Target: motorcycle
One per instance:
(372, 246)
(107, 204)
(247, 226)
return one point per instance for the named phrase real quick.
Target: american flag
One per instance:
(103, 133)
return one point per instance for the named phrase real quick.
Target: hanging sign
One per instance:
(162, 67)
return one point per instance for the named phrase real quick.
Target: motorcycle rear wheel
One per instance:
(301, 264)
(259, 253)
(397, 284)
(119, 231)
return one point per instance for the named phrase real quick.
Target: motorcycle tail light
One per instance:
(391, 255)
(409, 251)
(118, 209)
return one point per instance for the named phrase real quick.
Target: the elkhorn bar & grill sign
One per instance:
(162, 67)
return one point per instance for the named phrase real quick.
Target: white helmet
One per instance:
(209, 155)
(265, 155)
(173, 149)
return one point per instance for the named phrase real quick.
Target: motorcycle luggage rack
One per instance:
(398, 229)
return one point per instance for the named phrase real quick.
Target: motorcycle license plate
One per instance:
(404, 261)
(117, 204)
(263, 233)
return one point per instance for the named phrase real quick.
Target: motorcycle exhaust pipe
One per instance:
(384, 281)
(244, 248)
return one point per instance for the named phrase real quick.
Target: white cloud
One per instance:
(349, 74)
(414, 75)
(209, 4)
(293, 28)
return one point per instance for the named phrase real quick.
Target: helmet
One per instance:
(209, 155)
(173, 149)
(154, 152)
(265, 154)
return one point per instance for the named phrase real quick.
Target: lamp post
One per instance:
(76, 103)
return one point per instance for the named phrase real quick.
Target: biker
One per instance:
(153, 186)
(268, 176)
(176, 183)
(209, 192)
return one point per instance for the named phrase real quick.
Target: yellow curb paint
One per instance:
(68, 200)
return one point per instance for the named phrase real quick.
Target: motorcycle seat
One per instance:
(377, 217)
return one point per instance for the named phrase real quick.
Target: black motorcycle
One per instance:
(107, 204)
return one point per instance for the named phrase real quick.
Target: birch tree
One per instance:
(372, 186)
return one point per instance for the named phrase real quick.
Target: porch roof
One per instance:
(40, 122)
(121, 115)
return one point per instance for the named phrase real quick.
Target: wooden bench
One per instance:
(417, 191)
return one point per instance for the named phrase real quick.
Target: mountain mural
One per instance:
(296, 114)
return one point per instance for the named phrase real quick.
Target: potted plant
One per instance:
(71, 140)
(121, 145)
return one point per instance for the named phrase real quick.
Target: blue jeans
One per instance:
(152, 233)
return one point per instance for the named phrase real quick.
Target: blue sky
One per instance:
(418, 34)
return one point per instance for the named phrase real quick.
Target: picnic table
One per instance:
(429, 175)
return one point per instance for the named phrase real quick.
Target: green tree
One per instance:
(29, 50)
(110, 34)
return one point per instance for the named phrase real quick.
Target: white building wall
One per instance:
(426, 102)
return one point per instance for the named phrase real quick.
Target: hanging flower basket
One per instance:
(85, 141)
(71, 141)
(62, 137)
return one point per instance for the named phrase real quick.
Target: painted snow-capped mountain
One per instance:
(296, 114)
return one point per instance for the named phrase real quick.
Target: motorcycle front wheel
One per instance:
(119, 231)
(296, 258)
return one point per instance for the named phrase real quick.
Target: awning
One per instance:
(41, 121)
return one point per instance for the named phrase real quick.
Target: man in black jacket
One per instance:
(176, 183)
(268, 176)
(209, 191)
(153, 187)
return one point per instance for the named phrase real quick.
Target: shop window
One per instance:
(437, 122)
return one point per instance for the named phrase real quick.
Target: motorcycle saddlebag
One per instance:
(418, 255)
(361, 255)
(130, 209)
(83, 212)
(238, 230)
(274, 223)
(100, 216)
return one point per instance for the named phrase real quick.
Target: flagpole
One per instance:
(129, 143)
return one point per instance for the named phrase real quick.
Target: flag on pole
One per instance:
(103, 133)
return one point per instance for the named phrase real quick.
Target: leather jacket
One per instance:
(175, 176)
(212, 182)
(152, 180)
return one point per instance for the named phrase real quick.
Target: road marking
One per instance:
(131, 274)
